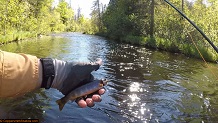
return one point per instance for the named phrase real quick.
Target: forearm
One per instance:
(22, 73)
(19, 74)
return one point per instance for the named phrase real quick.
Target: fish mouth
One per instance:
(104, 81)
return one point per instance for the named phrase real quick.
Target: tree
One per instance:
(152, 19)
(78, 13)
(128, 17)
(97, 11)
(65, 11)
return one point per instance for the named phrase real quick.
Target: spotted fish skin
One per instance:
(81, 91)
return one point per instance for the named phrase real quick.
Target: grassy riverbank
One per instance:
(184, 48)
(187, 49)
(135, 22)
(16, 36)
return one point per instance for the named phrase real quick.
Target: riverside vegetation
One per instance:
(151, 23)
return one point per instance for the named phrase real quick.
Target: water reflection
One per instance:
(156, 86)
(30, 106)
(42, 47)
(129, 73)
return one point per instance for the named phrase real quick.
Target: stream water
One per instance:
(144, 85)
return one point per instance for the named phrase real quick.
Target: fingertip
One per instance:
(96, 98)
(89, 102)
(101, 91)
(82, 103)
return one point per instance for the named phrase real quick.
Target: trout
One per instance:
(81, 91)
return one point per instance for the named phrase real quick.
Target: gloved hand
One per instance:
(70, 75)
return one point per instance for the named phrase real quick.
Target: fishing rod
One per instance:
(192, 23)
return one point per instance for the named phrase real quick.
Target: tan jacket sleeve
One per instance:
(18, 74)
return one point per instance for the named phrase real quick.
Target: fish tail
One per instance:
(61, 103)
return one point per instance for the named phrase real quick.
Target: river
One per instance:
(144, 85)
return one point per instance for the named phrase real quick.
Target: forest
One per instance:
(150, 23)
(22, 19)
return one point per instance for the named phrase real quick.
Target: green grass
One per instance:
(139, 40)
(172, 46)
(16, 36)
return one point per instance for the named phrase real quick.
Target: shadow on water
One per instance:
(144, 85)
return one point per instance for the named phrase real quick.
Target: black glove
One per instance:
(70, 75)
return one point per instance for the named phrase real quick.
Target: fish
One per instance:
(81, 91)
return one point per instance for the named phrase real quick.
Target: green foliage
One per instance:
(66, 13)
(136, 39)
(22, 19)
(16, 36)
(127, 17)
(131, 19)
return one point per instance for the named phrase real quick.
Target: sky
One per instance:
(85, 5)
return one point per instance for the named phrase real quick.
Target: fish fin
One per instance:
(61, 104)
